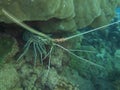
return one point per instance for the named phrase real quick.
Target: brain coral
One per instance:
(60, 15)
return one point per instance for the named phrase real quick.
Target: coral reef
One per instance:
(9, 78)
(118, 3)
(8, 48)
(117, 84)
(61, 15)
(65, 71)
(61, 70)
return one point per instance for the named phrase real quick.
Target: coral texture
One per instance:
(8, 48)
(8, 77)
(74, 13)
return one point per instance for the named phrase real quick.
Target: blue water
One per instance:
(118, 12)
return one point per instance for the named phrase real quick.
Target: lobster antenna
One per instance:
(17, 21)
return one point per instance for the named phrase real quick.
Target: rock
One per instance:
(117, 53)
(74, 81)
(103, 84)
(50, 78)
(60, 15)
(8, 48)
(86, 11)
(17, 89)
(107, 13)
(116, 61)
(118, 3)
(8, 77)
(117, 84)
(39, 9)
(101, 67)
(29, 76)
(28, 82)
(117, 64)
